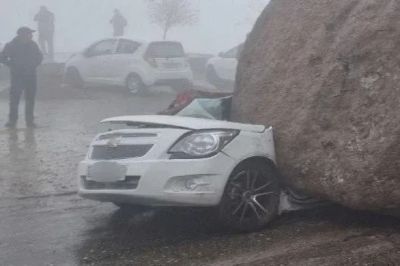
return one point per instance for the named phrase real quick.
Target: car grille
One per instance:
(119, 152)
(130, 182)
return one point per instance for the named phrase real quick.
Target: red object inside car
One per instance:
(184, 98)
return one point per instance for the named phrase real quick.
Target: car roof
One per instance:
(130, 38)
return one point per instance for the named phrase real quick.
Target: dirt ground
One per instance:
(44, 222)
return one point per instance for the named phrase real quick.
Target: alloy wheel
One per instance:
(134, 84)
(251, 199)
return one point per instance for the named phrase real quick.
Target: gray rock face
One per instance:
(326, 75)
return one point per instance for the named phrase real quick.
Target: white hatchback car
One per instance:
(131, 63)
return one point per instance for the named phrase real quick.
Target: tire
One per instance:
(73, 77)
(135, 85)
(251, 197)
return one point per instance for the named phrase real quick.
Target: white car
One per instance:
(221, 70)
(178, 161)
(131, 63)
(184, 161)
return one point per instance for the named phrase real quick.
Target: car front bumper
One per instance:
(197, 182)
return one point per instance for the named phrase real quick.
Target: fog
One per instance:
(222, 24)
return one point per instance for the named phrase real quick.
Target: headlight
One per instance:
(201, 144)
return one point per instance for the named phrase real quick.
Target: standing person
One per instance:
(45, 21)
(22, 55)
(119, 23)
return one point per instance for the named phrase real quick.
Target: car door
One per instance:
(227, 64)
(125, 59)
(96, 66)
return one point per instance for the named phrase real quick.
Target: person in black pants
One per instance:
(22, 55)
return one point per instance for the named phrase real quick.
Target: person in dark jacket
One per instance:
(22, 55)
(45, 21)
(119, 23)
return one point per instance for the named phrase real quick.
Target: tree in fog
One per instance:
(168, 14)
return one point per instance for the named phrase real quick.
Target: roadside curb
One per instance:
(61, 194)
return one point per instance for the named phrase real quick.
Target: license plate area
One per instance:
(172, 65)
(106, 172)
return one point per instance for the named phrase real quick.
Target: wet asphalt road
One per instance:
(43, 221)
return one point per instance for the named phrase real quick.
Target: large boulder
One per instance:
(326, 75)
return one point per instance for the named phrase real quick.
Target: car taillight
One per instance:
(152, 61)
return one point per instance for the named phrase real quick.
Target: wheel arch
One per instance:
(262, 160)
(70, 68)
(73, 69)
(139, 73)
(132, 73)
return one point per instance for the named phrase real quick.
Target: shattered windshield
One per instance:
(205, 108)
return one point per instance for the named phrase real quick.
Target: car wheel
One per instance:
(251, 197)
(73, 77)
(135, 85)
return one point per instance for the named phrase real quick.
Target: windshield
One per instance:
(217, 108)
(165, 50)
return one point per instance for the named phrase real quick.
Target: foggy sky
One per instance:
(222, 23)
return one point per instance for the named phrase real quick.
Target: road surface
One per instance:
(44, 222)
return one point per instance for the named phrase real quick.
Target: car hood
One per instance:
(182, 122)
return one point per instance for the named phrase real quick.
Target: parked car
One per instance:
(170, 161)
(131, 63)
(221, 70)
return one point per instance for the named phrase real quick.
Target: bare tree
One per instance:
(171, 13)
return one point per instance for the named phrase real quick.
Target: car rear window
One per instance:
(165, 50)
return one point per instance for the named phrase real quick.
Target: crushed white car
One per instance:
(166, 161)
